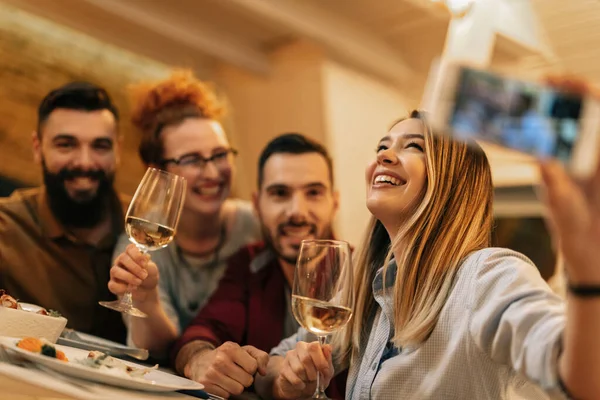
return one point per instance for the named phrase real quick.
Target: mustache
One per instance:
(66, 173)
(296, 224)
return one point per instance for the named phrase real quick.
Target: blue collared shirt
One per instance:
(498, 337)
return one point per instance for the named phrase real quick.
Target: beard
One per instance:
(88, 208)
(272, 241)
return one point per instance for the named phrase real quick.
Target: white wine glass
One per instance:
(151, 221)
(319, 301)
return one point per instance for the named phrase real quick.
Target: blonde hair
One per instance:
(452, 219)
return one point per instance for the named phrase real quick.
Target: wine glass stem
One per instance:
(127, 299)
(319, 391)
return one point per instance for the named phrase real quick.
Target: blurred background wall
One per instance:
(36, 56)
(340, 71)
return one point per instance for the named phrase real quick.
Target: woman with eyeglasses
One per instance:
(179, 121)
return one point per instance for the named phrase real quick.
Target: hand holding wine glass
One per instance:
(319, 304)
(297, 377)
(151, 221)
(133, 269)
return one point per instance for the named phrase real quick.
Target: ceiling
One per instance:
(393, 45)
(394, 40)
(572, 30)
(390, 38)
(416, 29)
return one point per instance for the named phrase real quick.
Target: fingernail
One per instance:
(144, 274)
(137, 281)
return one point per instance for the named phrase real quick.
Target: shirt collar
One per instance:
(262, 260)
(385, 297)
(390, 277)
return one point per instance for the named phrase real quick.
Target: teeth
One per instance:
(299, 233)
(82, 182)
(387, 179)
(208, 191)
(83, 179)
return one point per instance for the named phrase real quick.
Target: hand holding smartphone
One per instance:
(528, 117)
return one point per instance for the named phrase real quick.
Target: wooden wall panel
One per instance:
(36, 56)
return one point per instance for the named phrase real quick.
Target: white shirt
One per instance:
(498, 337)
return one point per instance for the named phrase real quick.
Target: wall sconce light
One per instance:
(456, 8)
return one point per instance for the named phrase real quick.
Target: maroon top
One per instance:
(248, 307)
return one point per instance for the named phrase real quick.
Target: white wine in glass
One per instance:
(151, 221)
(148, 236)
(320, 317)
(319, 303)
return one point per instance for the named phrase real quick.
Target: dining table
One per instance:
(18, 383)
(23, 381)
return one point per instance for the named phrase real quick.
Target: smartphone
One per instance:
(526, 117)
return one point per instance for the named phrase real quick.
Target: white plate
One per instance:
(30, 307)
(154, 381)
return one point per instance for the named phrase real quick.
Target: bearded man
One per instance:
(56, 240)
(250, 312)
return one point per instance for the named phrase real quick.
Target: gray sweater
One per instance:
(186, 283)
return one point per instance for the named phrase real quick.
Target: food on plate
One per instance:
(50, 313)
(31, 344)
(41, 346)
(94, 359)
(99, 360)
(8, 301)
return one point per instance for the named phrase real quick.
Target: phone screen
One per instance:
(524, 116)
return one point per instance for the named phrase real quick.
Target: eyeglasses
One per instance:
(220, 159)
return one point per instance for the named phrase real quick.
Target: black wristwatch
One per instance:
(584, 290)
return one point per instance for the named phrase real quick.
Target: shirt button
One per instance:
(374, 366)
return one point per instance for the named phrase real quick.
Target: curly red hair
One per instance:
(157, 105)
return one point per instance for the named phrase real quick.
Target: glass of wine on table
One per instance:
(319, 303)
(151, 221)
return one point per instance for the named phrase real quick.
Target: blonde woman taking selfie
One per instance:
(441, 315)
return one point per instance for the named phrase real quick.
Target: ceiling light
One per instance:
(456, 8)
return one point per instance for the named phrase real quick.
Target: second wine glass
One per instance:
(322, 297)
(151, 221)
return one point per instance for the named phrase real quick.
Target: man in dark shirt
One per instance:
(56, 241)
(250, 311)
